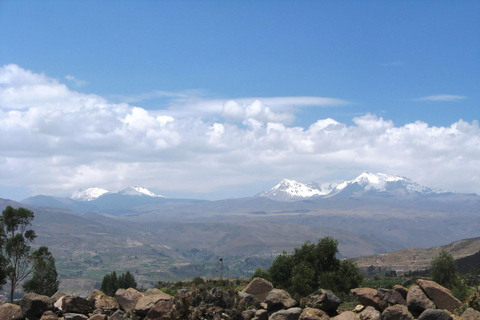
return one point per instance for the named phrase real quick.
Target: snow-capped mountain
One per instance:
(138, 191)
(89, 194)
(383, 183)
(365, 183)
(291, 190)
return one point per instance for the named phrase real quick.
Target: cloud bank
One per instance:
(56, 140)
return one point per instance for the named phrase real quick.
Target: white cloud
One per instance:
(57, 140)
(442, 97)
(77, 82)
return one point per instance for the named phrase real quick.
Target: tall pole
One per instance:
(221, 273)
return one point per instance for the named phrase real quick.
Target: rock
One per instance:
(441, 296)
(261, 314)
(58, 304)
(370, 297)
(417, 301)
(347, 315)
(474, 301)
(75, 304)
(471, 314)
(313, 314)
(34, 305)
(288, 314)
(370, 313)
(248, 314)
(358, 308)
(392, 297)
(259, 288)
(127, 299)
(321, 299)
(49, 315)
(11, 311)
(218, 297)
(147, 302)
(435, 314)
(396, 312)
(102, 301)
(152, 292)
(117, 315)
(75, 316)
(160, 311)
(57, 296)
(278, 299)
(401, 289)
(98, 317)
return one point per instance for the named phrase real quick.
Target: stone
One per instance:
(278, 299)
(401, 289)
(347, 315)
(75, 304)
(75, 316)
(471, 314)
(117, 315)
(370, 297)
(441, 296)
(435, 314)
(288, 314)
(58, 304)
(259, 288)
(358, 308)
(218, 297)
(34, 305)
(474, 301)
(49, 315)
(313, 314)
(98, 317)
(102, 301)
(127, 298)
(370, 313)
(11, 311)
(152, 292)
(248, 314)
(322, 299)
(392, 297)
(145, 303)
(57, 296)
(396, 312)
(261, 314)
(160, 311)
(417, 301)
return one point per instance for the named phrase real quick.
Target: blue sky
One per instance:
(401, 62)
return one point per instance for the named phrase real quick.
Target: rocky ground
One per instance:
(259, 300)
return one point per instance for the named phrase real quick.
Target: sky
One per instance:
(220, 99)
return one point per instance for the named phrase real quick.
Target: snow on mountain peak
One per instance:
(88, 194)
(138, 191)
(290, 189)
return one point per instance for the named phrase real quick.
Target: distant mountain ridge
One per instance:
(91, 194)
(365, 184)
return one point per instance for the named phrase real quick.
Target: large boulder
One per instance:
(278, 299)
(261, 314)
(369, 313)
(322, 299)
(11, 311)
(402, 290)
(248, 314)
(313, 314)
(102, 301)
(392, 297)
(441, 296)
(34, 305)
(75, 304)
(288, 314)
(370, 297)
(417, 301)
(471, 314)
(396, 312)
(145, 303)
(435, 314)
(160, 311)
(259, 288)
(57, 296)
(98, 317)
(127, 298)
(118, 315)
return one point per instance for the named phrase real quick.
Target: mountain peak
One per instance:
(291, 190)
(138, 191)
(88, 194)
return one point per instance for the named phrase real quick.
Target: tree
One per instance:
(44, 279)
(314, 266)
(16, 241)
(126, 281)
(444, 270)
(110, 282)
